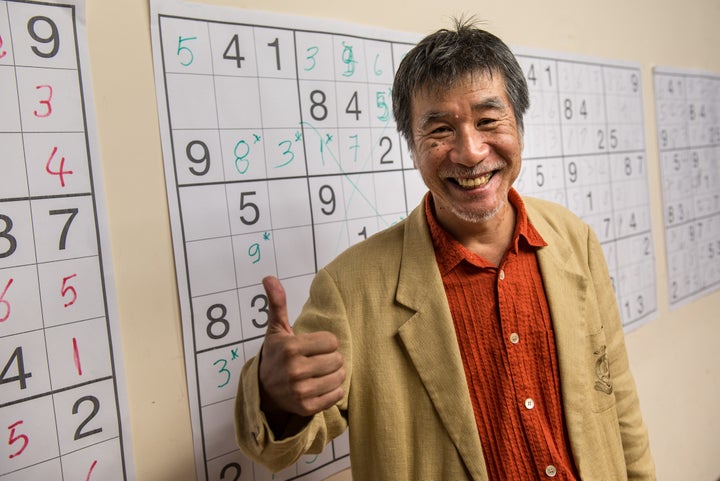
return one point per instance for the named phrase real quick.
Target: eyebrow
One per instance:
(490, 103)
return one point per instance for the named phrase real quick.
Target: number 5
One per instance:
(182, 48)
(14, 438)
(65, 289)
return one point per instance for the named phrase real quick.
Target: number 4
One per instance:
(17, 355)
(61, 170)
(234, 45)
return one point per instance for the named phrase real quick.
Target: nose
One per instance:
(470, 147)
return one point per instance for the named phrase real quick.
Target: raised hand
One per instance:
(300, 374)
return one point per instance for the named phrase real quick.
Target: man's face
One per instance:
(467, 148)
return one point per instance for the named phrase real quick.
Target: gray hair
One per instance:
(443, 58)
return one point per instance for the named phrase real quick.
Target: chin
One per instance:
(476, 216)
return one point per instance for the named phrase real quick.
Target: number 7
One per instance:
(63, 235)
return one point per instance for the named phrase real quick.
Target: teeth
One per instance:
(475, 182)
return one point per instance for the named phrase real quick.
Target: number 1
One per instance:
(276, 45)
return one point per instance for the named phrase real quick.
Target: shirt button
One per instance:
(514, 338)
(529, 403)
(551, 471)
(502, 274)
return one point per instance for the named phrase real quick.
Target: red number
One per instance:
(4, 52)
(92, 466)
(45, 102)
(65, 289)
(5, 303)
(76, 357)
(20, 437)
(60, 173)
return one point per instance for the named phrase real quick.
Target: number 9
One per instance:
(53, 38)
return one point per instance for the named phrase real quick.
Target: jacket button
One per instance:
(529, 403)
(551, 471)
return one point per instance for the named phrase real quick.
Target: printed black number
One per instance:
(232, 52)
(236, 467)
(539, 176)
(79, 434)
(63, 235)
(214, 320)
(5, 234)
(352, 106)
(386, 140)
(203, 159)
(17, 356)
(276, 44)
(260, 298)
(327, 197)
(318, 110)
(572, 172)
(53, 38)
(250, 205)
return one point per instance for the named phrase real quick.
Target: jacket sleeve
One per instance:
(633, 433)
(323, 311)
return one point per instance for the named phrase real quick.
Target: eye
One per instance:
(485, 122)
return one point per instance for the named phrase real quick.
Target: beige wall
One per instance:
(675, 357)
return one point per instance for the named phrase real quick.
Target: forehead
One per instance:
(474, 87)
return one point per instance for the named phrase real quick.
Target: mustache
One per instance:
(459, 171)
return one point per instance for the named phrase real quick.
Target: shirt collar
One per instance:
(449, 252)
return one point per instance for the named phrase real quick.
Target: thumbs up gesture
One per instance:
(300, 374)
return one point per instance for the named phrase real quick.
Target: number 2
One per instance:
(79, 434)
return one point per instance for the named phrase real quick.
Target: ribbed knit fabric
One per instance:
(506, 341)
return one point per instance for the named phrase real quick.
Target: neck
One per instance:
(489, 238)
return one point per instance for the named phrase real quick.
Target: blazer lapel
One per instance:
(566, 290)
(430, 340)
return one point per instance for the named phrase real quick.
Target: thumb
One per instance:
(277, 313)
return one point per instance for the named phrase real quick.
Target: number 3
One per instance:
(45, 102)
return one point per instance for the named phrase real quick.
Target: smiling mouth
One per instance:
(474, 182)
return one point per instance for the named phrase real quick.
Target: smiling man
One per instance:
(478, 339)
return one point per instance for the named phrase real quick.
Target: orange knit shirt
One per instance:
(502, 322)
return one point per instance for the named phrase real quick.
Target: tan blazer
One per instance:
(407, 401)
